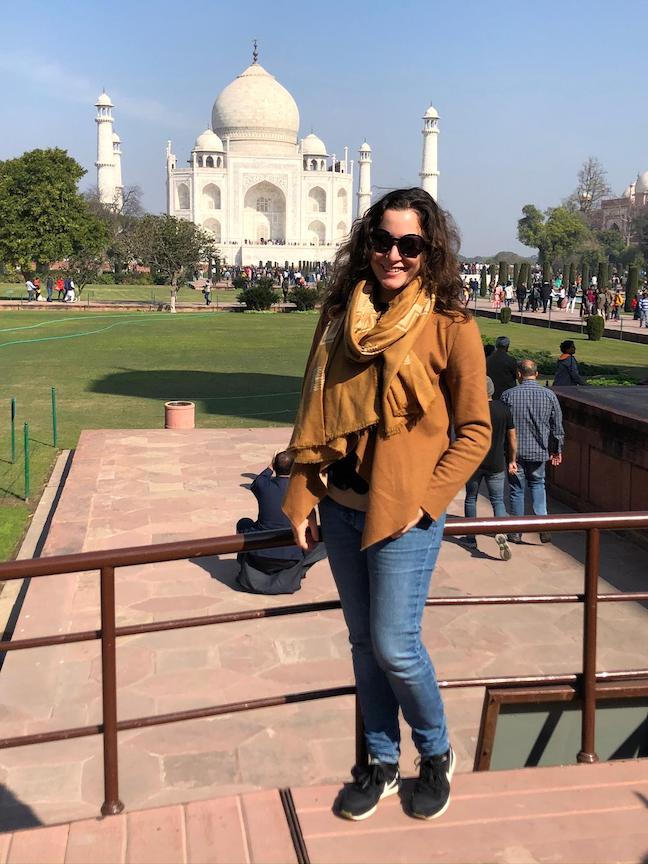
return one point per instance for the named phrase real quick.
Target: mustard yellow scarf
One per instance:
(363, 373)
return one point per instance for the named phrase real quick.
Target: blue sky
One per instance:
(526, 92)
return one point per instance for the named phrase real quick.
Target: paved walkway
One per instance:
(561, 319)
(133, 487)
(593, 813)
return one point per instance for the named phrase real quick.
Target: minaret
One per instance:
(429, 165)
(117, 174)
(364, 180)
(105, 153)
(170, 168)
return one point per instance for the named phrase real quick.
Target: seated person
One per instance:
(269, 488)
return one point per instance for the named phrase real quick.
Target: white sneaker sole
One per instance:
(447, 804)
(390, 789)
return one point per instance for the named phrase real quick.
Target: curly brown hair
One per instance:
(440, 264)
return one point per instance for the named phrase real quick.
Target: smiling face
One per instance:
(392, 270)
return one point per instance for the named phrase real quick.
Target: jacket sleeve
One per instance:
(465, 379)
(574, 374)
(305, 486)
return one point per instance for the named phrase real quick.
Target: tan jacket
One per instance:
(420, 466)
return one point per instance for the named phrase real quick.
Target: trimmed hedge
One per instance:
(595, 325)
(258, 297)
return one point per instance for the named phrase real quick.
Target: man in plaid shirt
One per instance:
(540, 437)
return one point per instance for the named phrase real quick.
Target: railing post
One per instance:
(13, 429)
(111, 805)
(54, 419)
(361, 755)
(588, 691)
(26, 454)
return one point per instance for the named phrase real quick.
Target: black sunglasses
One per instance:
(409, 246)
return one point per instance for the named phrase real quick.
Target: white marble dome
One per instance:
(104, 101)
(312, 145)
(641, 184)
(257, 114)
(431, 114)
(209, 140)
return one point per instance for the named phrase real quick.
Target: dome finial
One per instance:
(255, 53)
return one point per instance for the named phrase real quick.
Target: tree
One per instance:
(640, 232)
(120, 220)
(612, 244)
(531, 228)
(591, 188)
(632, 287)
(502, 273)
(563, 233)
(172, 247)
(43, 218)
(85, 263)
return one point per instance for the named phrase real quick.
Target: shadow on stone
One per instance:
(223, 570)
(14, 815)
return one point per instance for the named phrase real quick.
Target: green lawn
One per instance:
(115, 370)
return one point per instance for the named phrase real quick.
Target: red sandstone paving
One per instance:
(156, 485)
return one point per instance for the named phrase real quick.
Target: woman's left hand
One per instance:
(406, 528)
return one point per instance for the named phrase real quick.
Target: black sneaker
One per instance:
(545, 537)
(514, 538)
(431, 794)
(359, 800)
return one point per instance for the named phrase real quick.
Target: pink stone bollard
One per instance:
(179, 415)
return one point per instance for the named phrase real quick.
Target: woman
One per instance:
(567, 374)
(396, 360)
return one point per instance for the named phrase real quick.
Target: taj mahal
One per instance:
(253, 183)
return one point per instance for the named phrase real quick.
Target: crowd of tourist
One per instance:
(540, 295)
(65, 288)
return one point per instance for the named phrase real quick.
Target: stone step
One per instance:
(593, 813)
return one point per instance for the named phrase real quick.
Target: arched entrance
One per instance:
(264, 213)
(316, 233)
(213, 225)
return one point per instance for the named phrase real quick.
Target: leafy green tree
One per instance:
(612, 244)
(556, 234)
(531, 229)
(43, 218)
(563, 233)
(632, 255)
(172, 247)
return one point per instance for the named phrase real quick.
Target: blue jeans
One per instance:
(495, 487)
(383, 591)
(529, 473)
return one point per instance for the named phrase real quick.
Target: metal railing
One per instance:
(106, 561)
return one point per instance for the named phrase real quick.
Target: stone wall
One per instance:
(605, 464)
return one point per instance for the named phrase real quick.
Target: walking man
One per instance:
(642, 305)
(501, 367)
(499, 458)
(538, 423)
